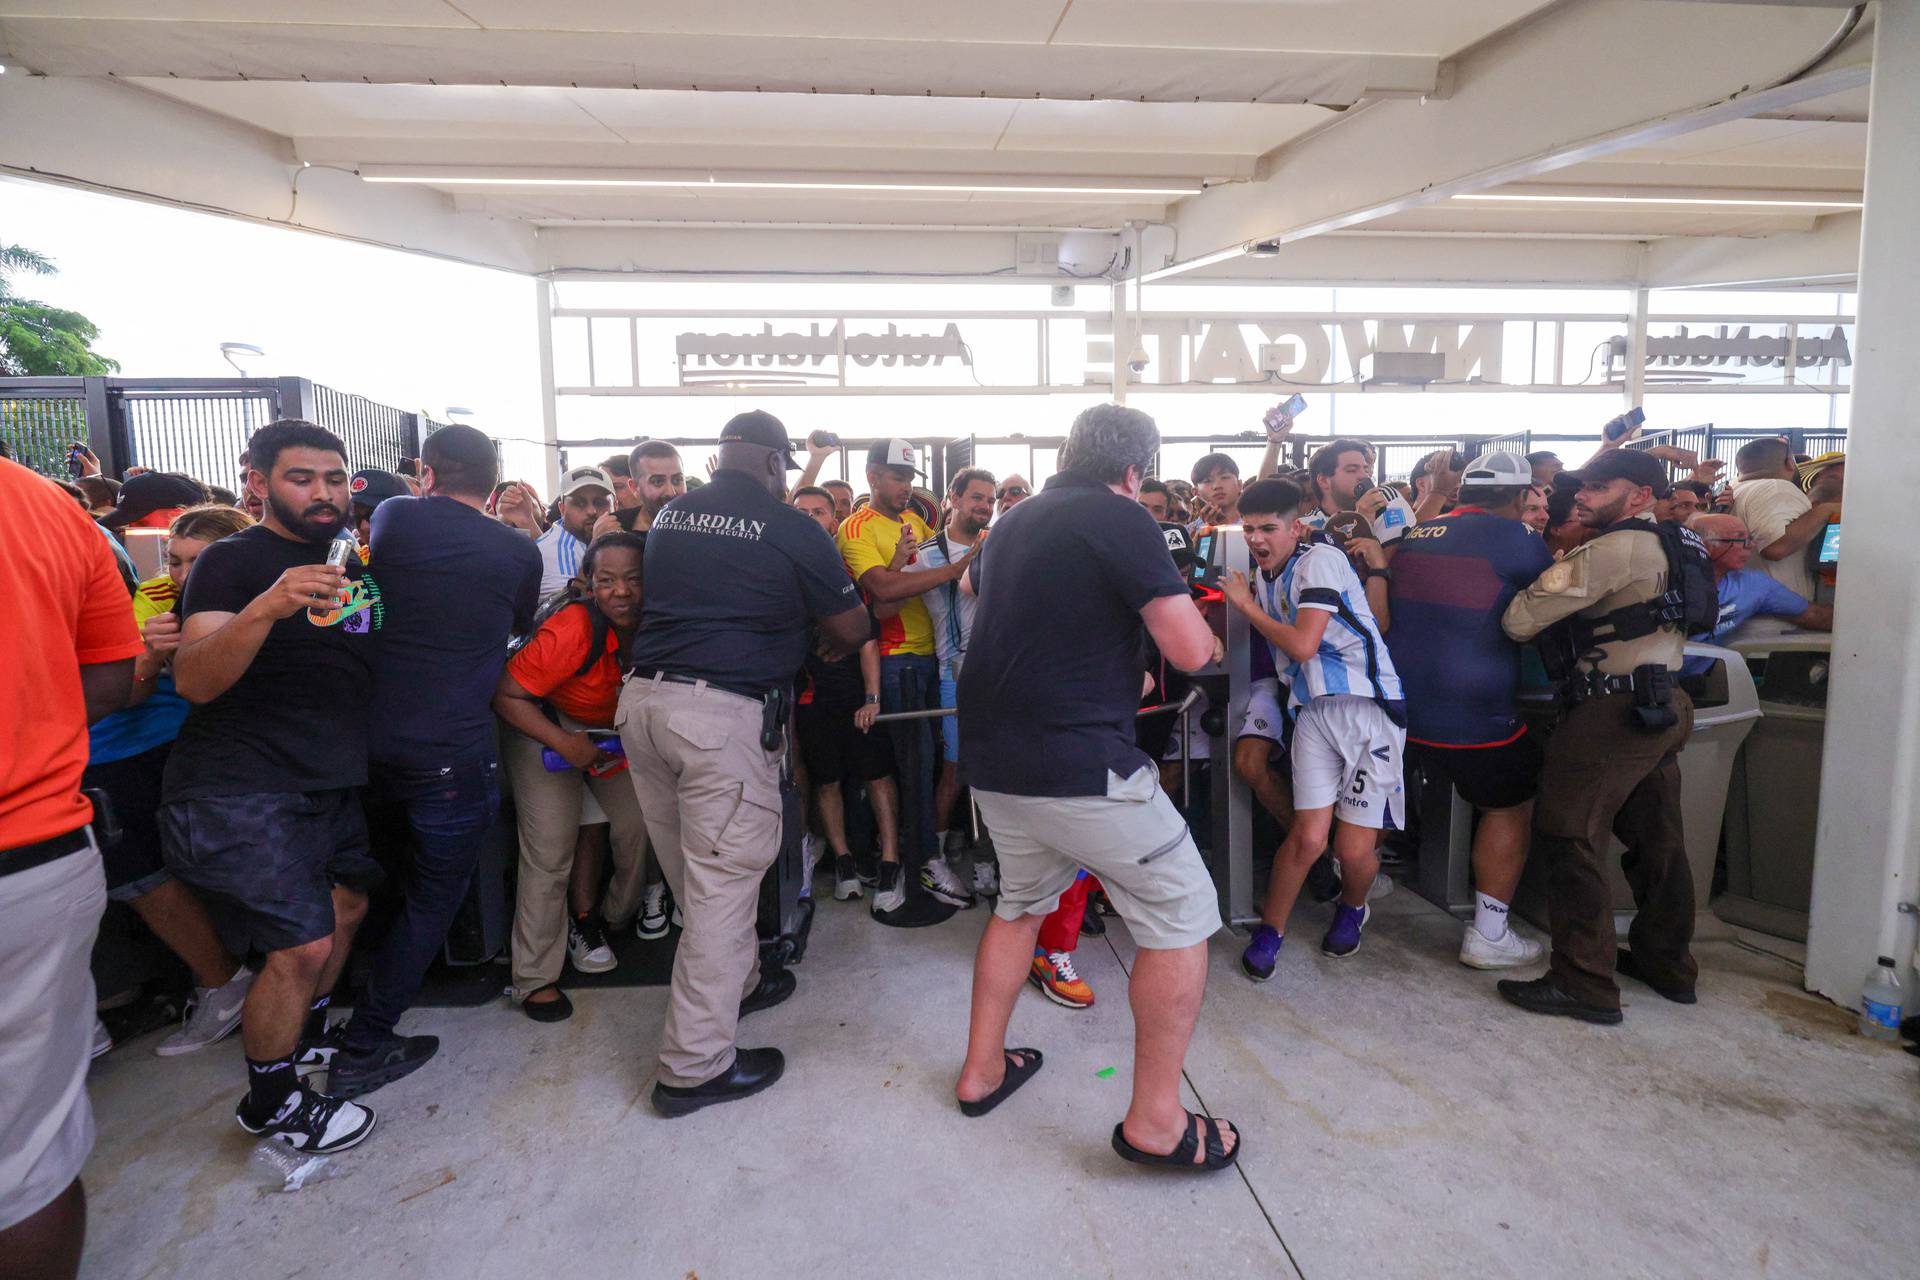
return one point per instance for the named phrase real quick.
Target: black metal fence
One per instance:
(196, 425)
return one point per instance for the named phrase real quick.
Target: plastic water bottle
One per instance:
(283, 1168)
(1880, 1002)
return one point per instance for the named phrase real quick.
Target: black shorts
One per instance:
(133, 863)
(834, 750)
(266, 863)
(1486, 777)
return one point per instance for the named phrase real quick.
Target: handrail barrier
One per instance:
(1165, 708)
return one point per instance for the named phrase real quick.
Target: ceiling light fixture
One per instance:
(1726, 201)
(957, 185)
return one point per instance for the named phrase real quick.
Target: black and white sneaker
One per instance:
(846, 879)
(867, 865)
(587, 946)
(891, 894)
(940, 882)
(317, 1055)
(652, 923)
(317, 1123)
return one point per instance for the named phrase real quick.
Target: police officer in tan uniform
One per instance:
(1610, 766)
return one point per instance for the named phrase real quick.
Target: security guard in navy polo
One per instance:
(736, 583)
(1613, 612)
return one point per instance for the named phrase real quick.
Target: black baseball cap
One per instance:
(152, 491)
(1630, 465)
(757, 426)
(371, 487)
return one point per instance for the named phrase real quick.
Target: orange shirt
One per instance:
(66, 608)
(544, 666)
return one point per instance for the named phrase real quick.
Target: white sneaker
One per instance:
(212, 1016)
(587, 946)
(102, 1040)
(1511, 951)
(939, 880)
(986, 878)
(1382, 886)
(846, 879)
(317, 1123)
(653, 913)
(891, 893)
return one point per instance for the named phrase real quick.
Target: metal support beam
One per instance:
(1688, 65)
(549, 403)
(1634, 383)
(113, 137)
(1867, 857)
(673, 53)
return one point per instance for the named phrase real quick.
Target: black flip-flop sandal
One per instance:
(1181, 1157)
(549, 1010)
(1018, 1073)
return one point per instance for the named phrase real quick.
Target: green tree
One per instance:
(37, 340)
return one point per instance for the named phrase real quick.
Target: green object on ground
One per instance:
(1106, 1072)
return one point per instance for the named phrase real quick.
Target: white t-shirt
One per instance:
(950, 608)
(1767, 507)
(560, 554)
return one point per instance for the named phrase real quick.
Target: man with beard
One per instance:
(970, 495)
(1335, 475)
(586, 495)
(1610, 767)
(653, 477)
(261, 814)
(871, 543)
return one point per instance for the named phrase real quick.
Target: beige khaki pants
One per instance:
(547, 809)
(712, 801)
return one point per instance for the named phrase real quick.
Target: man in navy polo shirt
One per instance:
(736, 583)
(1452, 580)
(1071, 585)
(455, 584)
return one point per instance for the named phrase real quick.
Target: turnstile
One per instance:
(1725, 712)
(1773, 806)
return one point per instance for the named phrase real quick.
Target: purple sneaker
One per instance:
(1343, 939)
(1262, 954)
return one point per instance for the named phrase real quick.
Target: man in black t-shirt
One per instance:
(261, 814)
(1071, 585)
(833, 723)
(456, 584)
(737, 583)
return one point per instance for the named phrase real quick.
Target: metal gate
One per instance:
(199, 426)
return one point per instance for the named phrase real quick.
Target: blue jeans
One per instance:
(910, 682)
(447, 812)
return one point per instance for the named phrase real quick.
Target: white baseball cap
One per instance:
(584, 478)
(1497, 469)
(896, 453)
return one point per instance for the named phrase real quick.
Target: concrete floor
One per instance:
(1400, 1121)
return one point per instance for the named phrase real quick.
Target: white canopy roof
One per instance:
(1373, 137)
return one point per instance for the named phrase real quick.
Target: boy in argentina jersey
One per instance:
(1346, 707)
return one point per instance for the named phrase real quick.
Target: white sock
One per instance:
(1489, 917)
